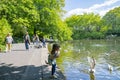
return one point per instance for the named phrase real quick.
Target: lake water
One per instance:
(75, 64)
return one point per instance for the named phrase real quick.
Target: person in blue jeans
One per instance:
(44, 43)
(52, 58)
(27, 40)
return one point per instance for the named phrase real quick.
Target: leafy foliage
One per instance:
(86, 26)
(5, 28)
(112, 20)
(35, 16)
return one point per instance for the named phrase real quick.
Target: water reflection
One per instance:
(92, 76)
(74, 63)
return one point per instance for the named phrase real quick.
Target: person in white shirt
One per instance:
(9, 41)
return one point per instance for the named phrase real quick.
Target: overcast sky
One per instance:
(96, 6)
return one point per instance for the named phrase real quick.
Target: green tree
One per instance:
(19, 13)
(86, 26)
(41, 16)
(50, 19)
(5, 28)
(112, 20)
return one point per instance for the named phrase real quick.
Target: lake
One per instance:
(75, 64)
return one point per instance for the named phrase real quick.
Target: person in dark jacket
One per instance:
(27, 40)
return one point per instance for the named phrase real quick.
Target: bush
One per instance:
(2, 48)
(4, 30)
(97, 35)
(90, 35)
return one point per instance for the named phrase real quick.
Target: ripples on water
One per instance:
(74, 64)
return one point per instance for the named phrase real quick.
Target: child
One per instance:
(52, 58)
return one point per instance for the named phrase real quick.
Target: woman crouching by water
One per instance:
(55, 52)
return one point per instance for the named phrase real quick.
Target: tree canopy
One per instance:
(90, 25)
(35, 16)
(5, 28)
(112, 20)
(44, 18)
(86, 26)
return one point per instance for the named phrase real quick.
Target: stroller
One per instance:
(37, 44)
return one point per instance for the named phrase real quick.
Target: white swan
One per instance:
(110, 67)
(92, 63)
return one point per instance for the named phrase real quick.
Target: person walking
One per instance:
(27, 40)
(9, 41)
(43, 42)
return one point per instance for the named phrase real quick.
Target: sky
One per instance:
(87, 6)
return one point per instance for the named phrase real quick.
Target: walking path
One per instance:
(21, 64)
